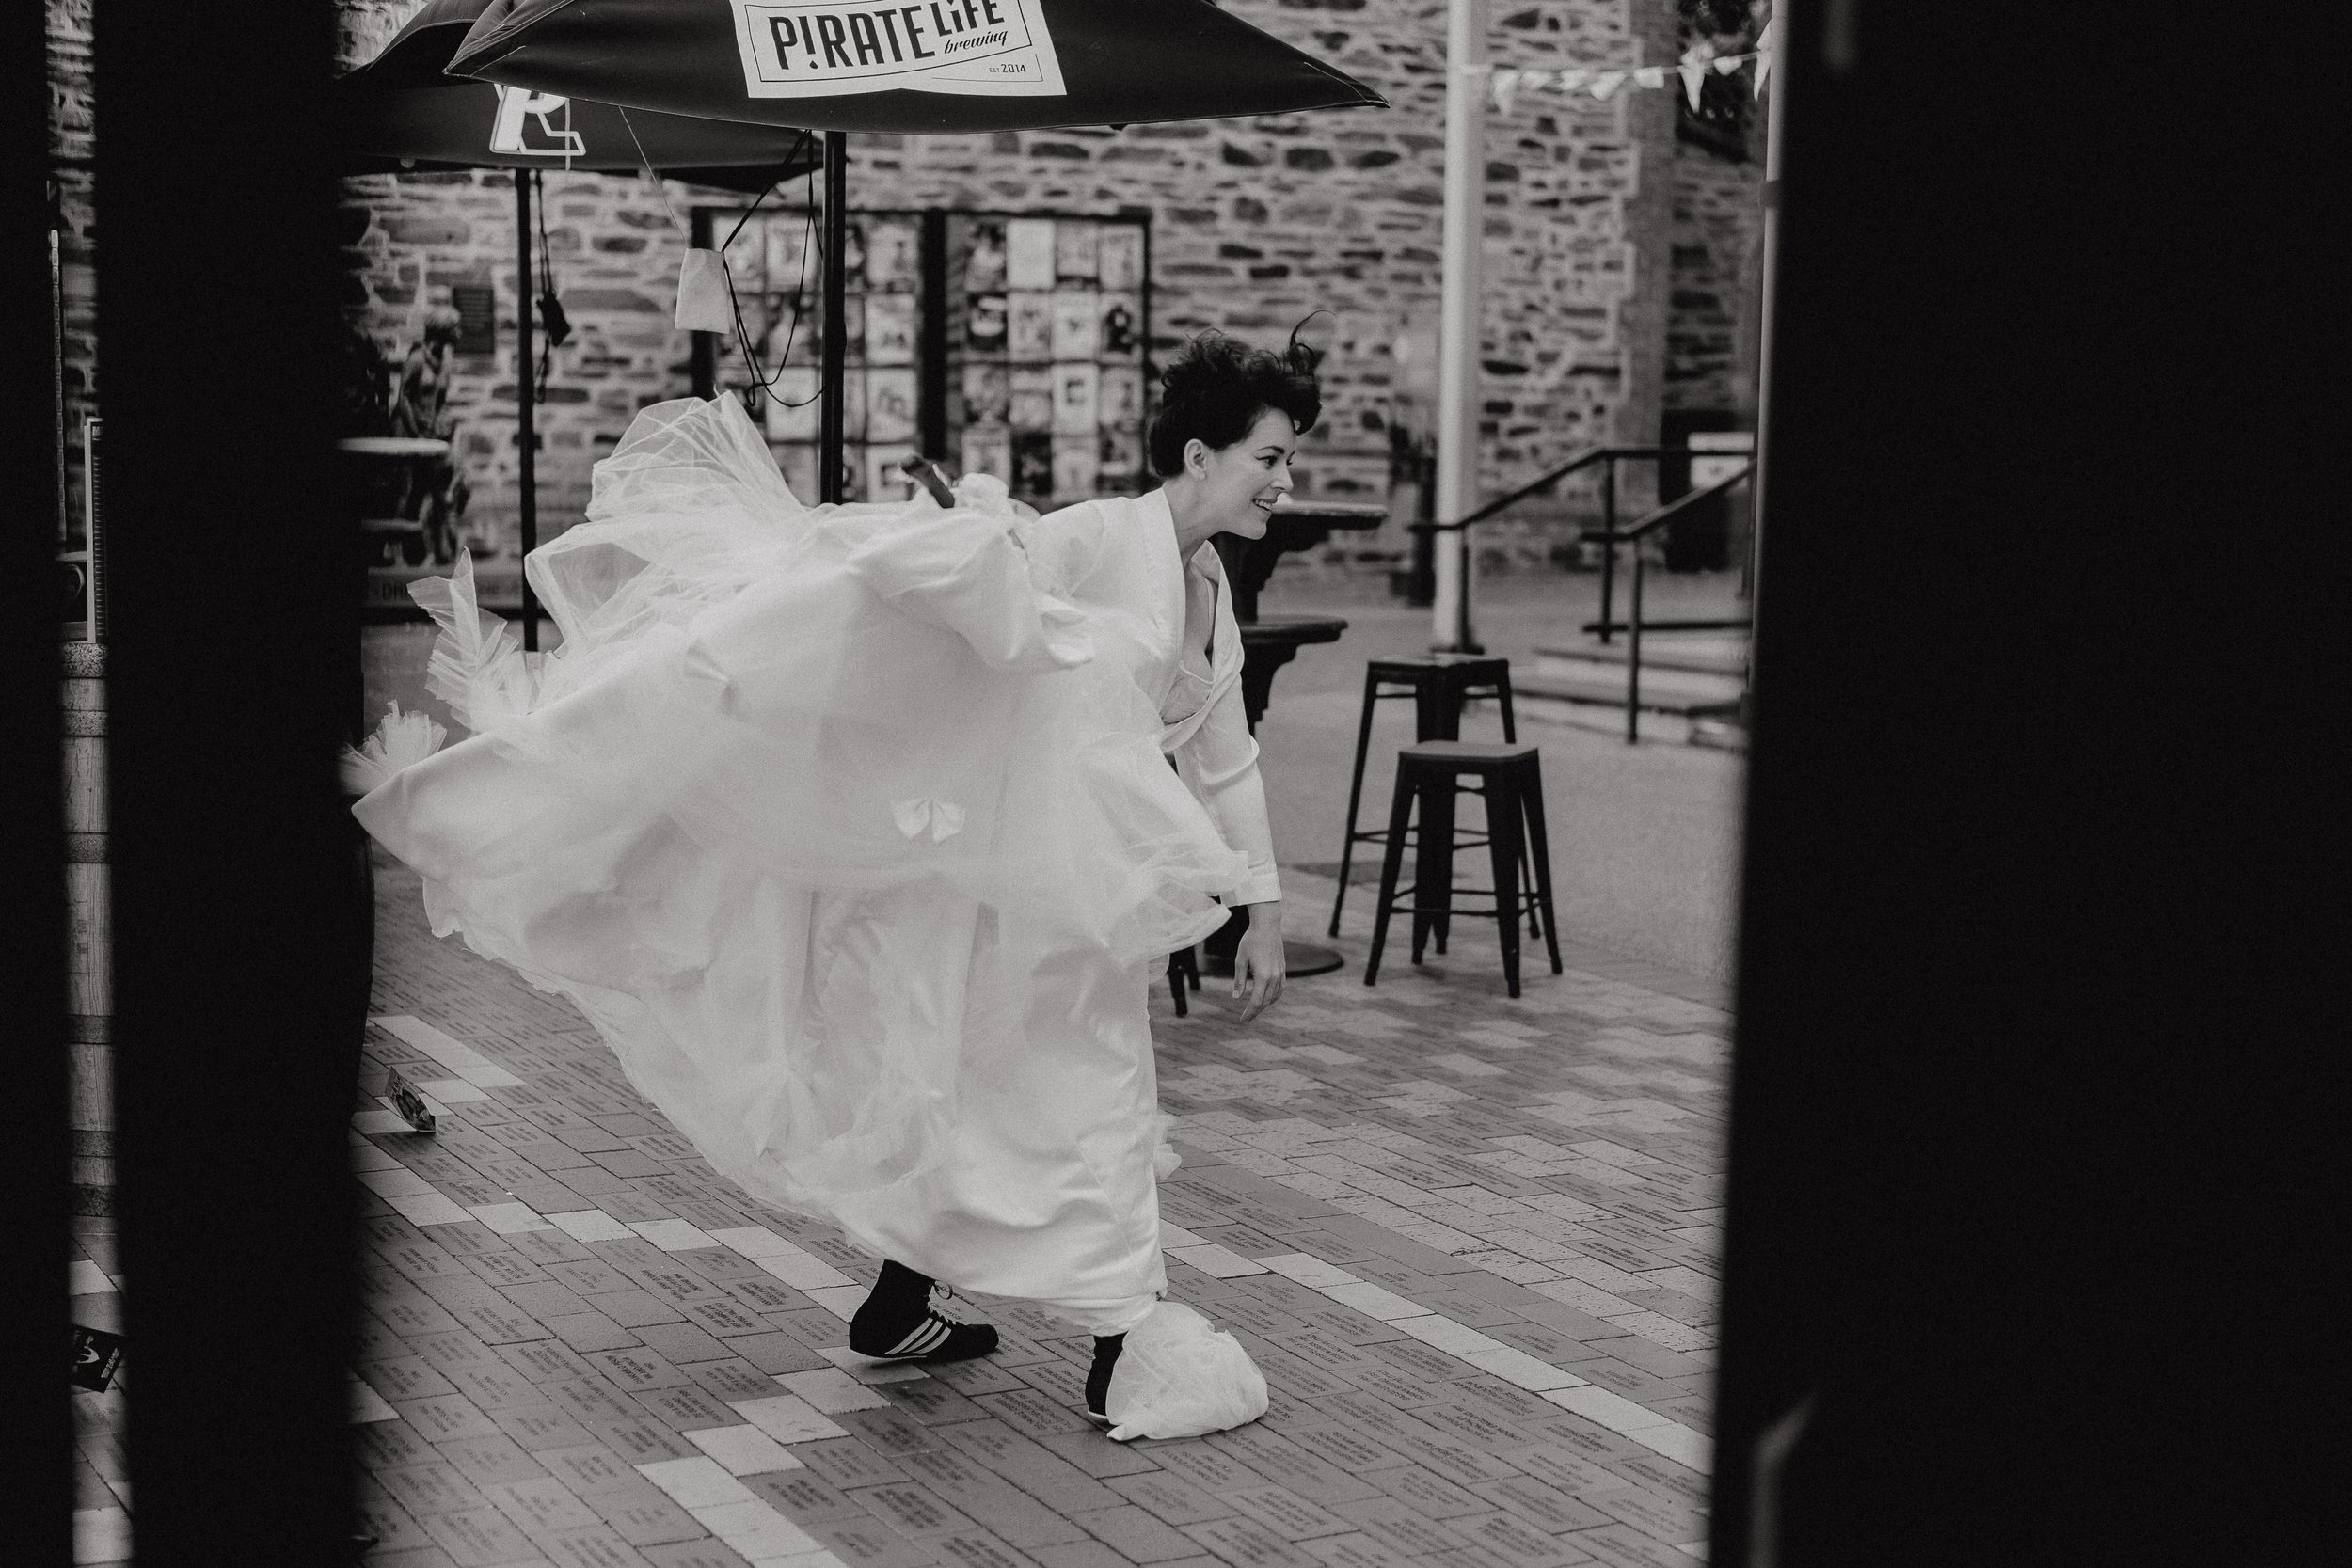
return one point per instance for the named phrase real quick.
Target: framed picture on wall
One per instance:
(1010, 343)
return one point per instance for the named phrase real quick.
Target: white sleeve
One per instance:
(1218, 763)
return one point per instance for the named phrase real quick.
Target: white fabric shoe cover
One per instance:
(1179, 1377)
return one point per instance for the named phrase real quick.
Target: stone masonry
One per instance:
(1619, 265)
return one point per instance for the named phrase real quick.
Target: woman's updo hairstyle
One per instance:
(1218, 387)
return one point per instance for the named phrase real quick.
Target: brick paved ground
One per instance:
(1469, 1239)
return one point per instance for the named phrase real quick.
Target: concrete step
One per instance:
(1700, 652)
(1673, 691)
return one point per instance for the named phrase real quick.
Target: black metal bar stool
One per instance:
(1511, 778)
(1438, 685)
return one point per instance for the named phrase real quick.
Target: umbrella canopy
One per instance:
(400, 112)
(938, 66)
(934, 66)
(478, 125)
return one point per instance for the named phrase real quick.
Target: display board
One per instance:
(1005, 344)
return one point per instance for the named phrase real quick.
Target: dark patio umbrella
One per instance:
(400, 112)
(940, 66)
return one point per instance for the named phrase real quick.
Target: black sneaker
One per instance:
(1106, 1349)
(898, 1322)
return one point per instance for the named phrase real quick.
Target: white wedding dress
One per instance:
(854, 832)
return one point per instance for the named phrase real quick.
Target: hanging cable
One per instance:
(555, 323)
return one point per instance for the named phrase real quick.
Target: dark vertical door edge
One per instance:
(235, 636)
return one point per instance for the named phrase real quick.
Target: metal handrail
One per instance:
(1665, 513)
(1613, 537)
(1609, 455)
(1582, 460)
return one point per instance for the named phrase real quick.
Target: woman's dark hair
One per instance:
(1219, 387)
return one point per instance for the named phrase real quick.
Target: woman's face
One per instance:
(1241, 483)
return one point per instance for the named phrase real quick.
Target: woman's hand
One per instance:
(1257, 962)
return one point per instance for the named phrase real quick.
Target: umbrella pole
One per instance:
(829, 412)
(526, 396)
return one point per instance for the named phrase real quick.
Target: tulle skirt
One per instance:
(856, 848)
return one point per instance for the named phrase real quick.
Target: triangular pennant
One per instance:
(1535, 81)
(1574, 78)
(1727, 64)
(1606, 83)
(1763, 68)
(1650, 76)
(1693, 75)
(1505, 88)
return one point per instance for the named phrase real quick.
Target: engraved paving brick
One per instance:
(1517, 1542)
(480, 1538)
(887, 1430)
(636, 1370)
(646, 1520)
(1285, 1513)
(487, 1461)
(1622, 1547)
(1548, 1508)
(913, 1510)
(445, 1417)
(537, 1428)
(1170, 1497)
(1668, 1518)
(1137, 1535)
(1246, 1543)
(731, 1379)
(804, 1497)
(393, 1527)
(538, 1506)
(682, 1342)
(1432, 1495)
(1355, 1550)
(687, 1408)
(978, 1549)
(846, 1463)
(1283, 1461)
(862, 1543)
(405, 1377)
(1038, 1471)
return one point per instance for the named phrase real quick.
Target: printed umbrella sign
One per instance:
(979, 48)
(938, 66)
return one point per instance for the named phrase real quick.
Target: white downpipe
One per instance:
(1458, 317)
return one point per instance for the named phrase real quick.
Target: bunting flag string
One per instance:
(1506, 82)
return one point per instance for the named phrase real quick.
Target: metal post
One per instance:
(1633, 656)
(1458, 318)
(526, 400)
(829, 411)
(1609, 543)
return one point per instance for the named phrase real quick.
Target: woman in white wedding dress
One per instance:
(852, 828)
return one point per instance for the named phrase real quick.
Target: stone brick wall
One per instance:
(615, 255)
(1256, 223)
(1716, 270)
